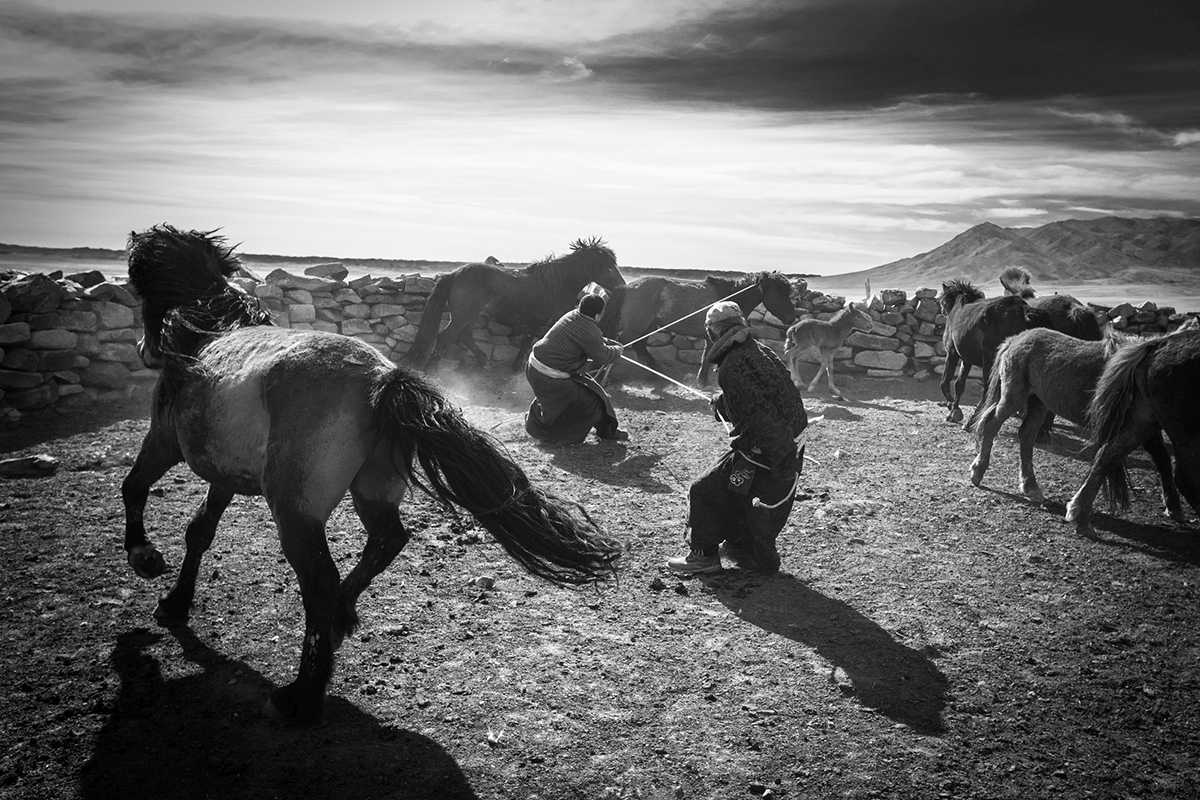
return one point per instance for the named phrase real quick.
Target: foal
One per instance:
(824, 337)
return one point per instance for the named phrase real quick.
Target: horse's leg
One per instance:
(522, 353)
(386, 537)
(793, 363)
(948, 370)
(989, 425)
(307, 473)
(1079, 510)
(466, 338)
(1031, 426)
(647, 359)
(160, 451)
(828, 364)
(1157, 449)
(173, 607)
(302, 536)
(1187, 472)
(960, 385)
(812, 385)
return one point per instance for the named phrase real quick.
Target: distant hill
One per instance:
(1158, 250)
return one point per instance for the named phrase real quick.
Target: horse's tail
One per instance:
(995, 387)
(468, 468)
(1112, 403)
(431, 319)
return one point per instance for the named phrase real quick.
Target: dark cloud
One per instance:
(177, 51)
(860, 54)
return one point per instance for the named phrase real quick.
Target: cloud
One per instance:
(855, 54)
(1185, 138)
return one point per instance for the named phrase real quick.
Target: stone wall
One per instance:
(71, 340)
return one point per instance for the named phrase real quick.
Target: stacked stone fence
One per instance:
(70, 340)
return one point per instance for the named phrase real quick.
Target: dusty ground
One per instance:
(925, 639)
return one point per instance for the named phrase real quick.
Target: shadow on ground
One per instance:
(204, 735)
(612, 463)
(895, 680)
(47, 425)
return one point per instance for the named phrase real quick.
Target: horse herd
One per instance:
(302, 417)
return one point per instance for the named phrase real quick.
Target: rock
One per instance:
(286, 280)
(38, 466)
(55, 339)
(657, 584)
(105, 375)
(19, 379)
(301, 313)
(333, 270)
(355, 327)
(868, 341)
(86, 279)
(893, 297)
(14, 333)
(111, 292)
(113, 315)
(34, 294)
(484, 581)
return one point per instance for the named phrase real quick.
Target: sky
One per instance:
(816, 136)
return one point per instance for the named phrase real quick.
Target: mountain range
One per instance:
(1118, 249)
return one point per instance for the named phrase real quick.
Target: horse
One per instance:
(527, 300)
(1041, 372)
(1066, 314)
(824, 337)
(975, 327)
(1146, 388)
(301, 417)
(651, 302)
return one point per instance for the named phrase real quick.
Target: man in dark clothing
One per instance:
(567, 402)
(744, 500)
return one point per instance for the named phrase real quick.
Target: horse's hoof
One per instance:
(1035, 495)
(168, 616)
(956, 415)
(146, 561)
(287, 704)
(977, 475)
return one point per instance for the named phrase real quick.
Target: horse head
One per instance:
(958, 292)
(777, 296)
(181, 277)
(599, 262)
(1016, 281)
(860, 317)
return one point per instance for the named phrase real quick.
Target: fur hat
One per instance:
(725, 311)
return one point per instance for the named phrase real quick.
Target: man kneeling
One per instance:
(567, 402)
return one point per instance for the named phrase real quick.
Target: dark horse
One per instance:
(1041, 372)
(302, 417)
(1145, 388)
(975, 327)
(649, 303)
(527, 300)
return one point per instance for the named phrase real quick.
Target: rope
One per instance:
(684, 386)
(694, 313)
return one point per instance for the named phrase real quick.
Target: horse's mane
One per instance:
(557, 272)
(959, 289)
(169, 267)
(1016, 281)
(182, 279)
(727, 285)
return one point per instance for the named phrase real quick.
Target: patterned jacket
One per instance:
(757, 397)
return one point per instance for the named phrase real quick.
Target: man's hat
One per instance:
(722, 312)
